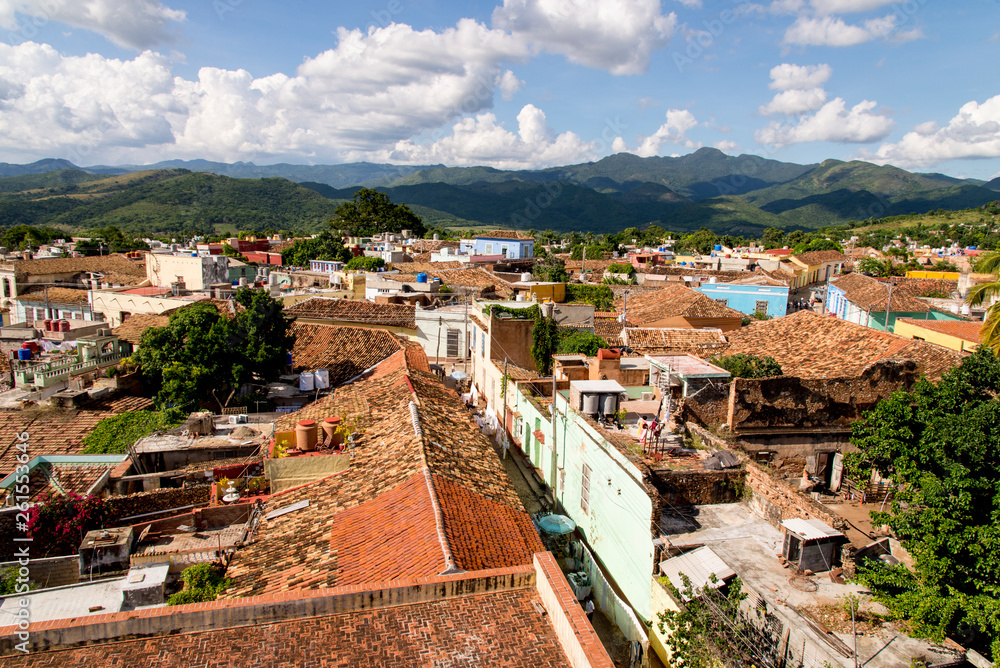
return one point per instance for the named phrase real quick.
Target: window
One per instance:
(482, 349)
(585, 490)
(452, 347)
(504, 249)
(724, 302)
(761, 306)
(489, 249)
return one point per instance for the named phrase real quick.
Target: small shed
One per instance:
(105, 550)
(811, 545)
(702, 566)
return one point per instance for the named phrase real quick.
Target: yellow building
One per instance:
(540, 291)
(941, 275)
(960, 335)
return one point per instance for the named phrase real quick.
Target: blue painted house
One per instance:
(749, 299)
(511, 244)
(867, 301)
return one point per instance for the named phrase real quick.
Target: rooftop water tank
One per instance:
(718, 247)
(966, 309)
(526, 276)
(194, 253)
(591, 403)
(63, 326)
(24, 354)
(421, 277)
(609, 404)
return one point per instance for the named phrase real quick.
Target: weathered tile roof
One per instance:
(56, 479)
(967, 330)
(812, 258)
(659, 341)
(476, 277)
(609, 329)
(355, 311)
(501, 629)
(56, 431)
(131, 330)
(430, 245)
(506, 234)
(674, 300)
(53, 295)
(115, 264)
(428, 267)
(380, 518)
(344, 351)
(809, 345)
(871, 294)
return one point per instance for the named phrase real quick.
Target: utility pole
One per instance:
(437, 352)
(465, 351)
(624, 308)
(888, 307)
(583, 263)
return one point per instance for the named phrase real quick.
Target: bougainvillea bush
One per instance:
(58, 523)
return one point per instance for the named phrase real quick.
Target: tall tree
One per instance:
(940, 446)
(372, 212)
(984, 293)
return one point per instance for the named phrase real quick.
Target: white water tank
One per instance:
(610, 404)
(966, 309)
(591, 403)
(526, 276)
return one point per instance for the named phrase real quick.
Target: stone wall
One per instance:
(696, 488)
(120, 507)
(708, 406)
(776, 500)
(785, 402)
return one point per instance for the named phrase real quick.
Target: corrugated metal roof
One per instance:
(698, 565)
(811, 529)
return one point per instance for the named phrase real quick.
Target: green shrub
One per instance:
(113, 435)
(202, 583)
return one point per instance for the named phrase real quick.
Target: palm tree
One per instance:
(989, 334)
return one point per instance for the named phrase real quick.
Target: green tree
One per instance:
(372, 212)
(109, 239)
(325, 246)
(773, 238)
(365, 263)
(550, 269)
(748, 366)
(879, 268)
(621, 268)
(544, 339)
(940, 447)
(202, 583)
(702, 241)
(580, 341)
(983, 293)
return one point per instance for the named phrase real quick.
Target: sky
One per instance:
(513, 84)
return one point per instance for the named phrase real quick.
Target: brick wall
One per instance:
(119, 507)
(776, 500)
(695, 488)
(579, 640)
(708, 406)
(51, 572)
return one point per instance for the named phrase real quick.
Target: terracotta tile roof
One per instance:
(56, 431)
(967, 330)
(477, 278)
(809, 345)
(345, 351)
(355, 311)
(659, 341)
(430, 245)
(608, 329)
(501, 629)
(673, 301)
(57, 479)
(923, 287)
(869, 293)
(376, 519)
(506, 234)
(131, 330)
(812, 258)
(115, 264)
(416, 267)
(53, 295)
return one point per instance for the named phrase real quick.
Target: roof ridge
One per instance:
(449, 558)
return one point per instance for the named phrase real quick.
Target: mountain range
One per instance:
(728, 194)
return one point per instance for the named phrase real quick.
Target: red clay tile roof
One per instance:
(506, 234)
(812, 258)
(57, 431)
(106, 264)
(391, 460)
(501, 629)
(131, 330)
(64, 478)
(609, 329)
(355, 311)
(809, 345)
(674, 300)
(659, 341)
(477, 278)
(430, 245)
(967, 330)
(54, 295)
(344, 351)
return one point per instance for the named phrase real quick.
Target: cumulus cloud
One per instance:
(674, 131)
(727, 146)
(794, 102)
(691, 4)
(788, 76)
(834, 31)
(134, 24)
(973, 133)
(616, 35)
(847, 6)
(508, 84)
(482, 140)
(832, 122)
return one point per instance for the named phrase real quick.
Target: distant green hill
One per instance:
(169, 201)
(54, 180)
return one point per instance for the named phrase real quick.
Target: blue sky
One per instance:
(509, 83)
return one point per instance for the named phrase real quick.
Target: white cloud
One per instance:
(727, 146)
(135, 24)
(691, 4)
(973, 133)
(833, 122)
(483, 141)
(787, 76)
(786, 6)
(674, 131)
(616, 35)
(508, 84)
(833, 31)
(794, 102)
(824, 7)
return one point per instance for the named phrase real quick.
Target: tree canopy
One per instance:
(748, 366)
(201, 354)
(365, 263)
(325, 246)
(983, 293)
(372, 212)
(579, 341)
(940, 446)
